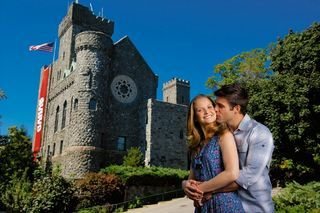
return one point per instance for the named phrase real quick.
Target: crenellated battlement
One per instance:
(82, 16)
(176, 81)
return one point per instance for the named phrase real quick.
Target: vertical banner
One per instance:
(39, 123)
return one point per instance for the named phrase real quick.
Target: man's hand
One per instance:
(206, 196)
(190, 188)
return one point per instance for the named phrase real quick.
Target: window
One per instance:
(64, 114)
(90, 80)
(48, 151)
(182, 99)
(121, 144)
(93, 104)
(181, 134)
(56, 119)
(61, 147)
(75, 104)
(58, 75)
(53, 149)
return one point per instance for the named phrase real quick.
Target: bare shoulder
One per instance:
(226, 136)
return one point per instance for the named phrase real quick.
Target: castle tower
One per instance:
(77, 91)
(176, 91)
(78, 19)
(92, 50)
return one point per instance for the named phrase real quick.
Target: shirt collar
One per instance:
(244, 124)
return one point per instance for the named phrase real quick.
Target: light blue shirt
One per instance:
(255, 147)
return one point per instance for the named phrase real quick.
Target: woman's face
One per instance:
(204, 111)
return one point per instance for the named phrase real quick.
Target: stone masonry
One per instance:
(102, 101)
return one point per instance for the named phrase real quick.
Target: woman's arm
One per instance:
(191, 187)
(230, 162)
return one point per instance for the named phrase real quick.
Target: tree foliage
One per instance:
(298, 53)
(240, 68)
(287, 100)
(281, 103)
(16, 156)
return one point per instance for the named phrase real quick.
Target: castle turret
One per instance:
(92, 50)
(176, 91)
(78, 19)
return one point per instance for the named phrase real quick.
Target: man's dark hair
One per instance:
(235, 94)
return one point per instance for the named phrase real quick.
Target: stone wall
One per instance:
(166, 135)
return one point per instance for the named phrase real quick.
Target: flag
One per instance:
(47, 47)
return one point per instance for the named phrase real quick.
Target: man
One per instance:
(255, 147)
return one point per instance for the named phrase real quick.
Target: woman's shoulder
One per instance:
(226, 133)
(226, 136)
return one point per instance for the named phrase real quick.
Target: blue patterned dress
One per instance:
(206, 165)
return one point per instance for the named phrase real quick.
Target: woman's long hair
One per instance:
(195, 134)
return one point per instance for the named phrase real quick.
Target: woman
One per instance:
(214, 159)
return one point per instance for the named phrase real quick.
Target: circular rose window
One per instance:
(124, 89)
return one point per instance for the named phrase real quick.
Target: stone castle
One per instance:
(102, 100)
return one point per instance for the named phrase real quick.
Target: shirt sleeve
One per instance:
(260, 148)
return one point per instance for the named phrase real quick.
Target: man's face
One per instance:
(225, 113)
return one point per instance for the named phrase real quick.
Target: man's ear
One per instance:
(237, 108)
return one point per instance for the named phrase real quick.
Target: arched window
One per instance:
(93, 104)
(75, 104)
(90, 80)
(64, 113)
(56, 119)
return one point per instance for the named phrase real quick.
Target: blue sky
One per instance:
(177, 38)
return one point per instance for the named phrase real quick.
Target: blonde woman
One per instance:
(214, 160)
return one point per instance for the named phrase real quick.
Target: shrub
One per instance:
(153, 176)
(298, 198)
(133, 158)
(51, 194)
(98, 188)
(17, 193)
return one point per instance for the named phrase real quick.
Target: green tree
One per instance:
(298, 53)
(281, 103)
(287, 100)
(240, 68)
(134, 157)
(16, 156)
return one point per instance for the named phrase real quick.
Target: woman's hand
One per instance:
(191, 189)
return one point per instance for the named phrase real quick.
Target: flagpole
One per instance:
(54, 51)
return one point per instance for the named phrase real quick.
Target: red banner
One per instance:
(40, 111)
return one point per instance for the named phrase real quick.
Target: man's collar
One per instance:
(245, 122)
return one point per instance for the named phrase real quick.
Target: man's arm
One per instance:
(258, 156)
(229, 188)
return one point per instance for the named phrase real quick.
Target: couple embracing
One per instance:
(230, 155)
